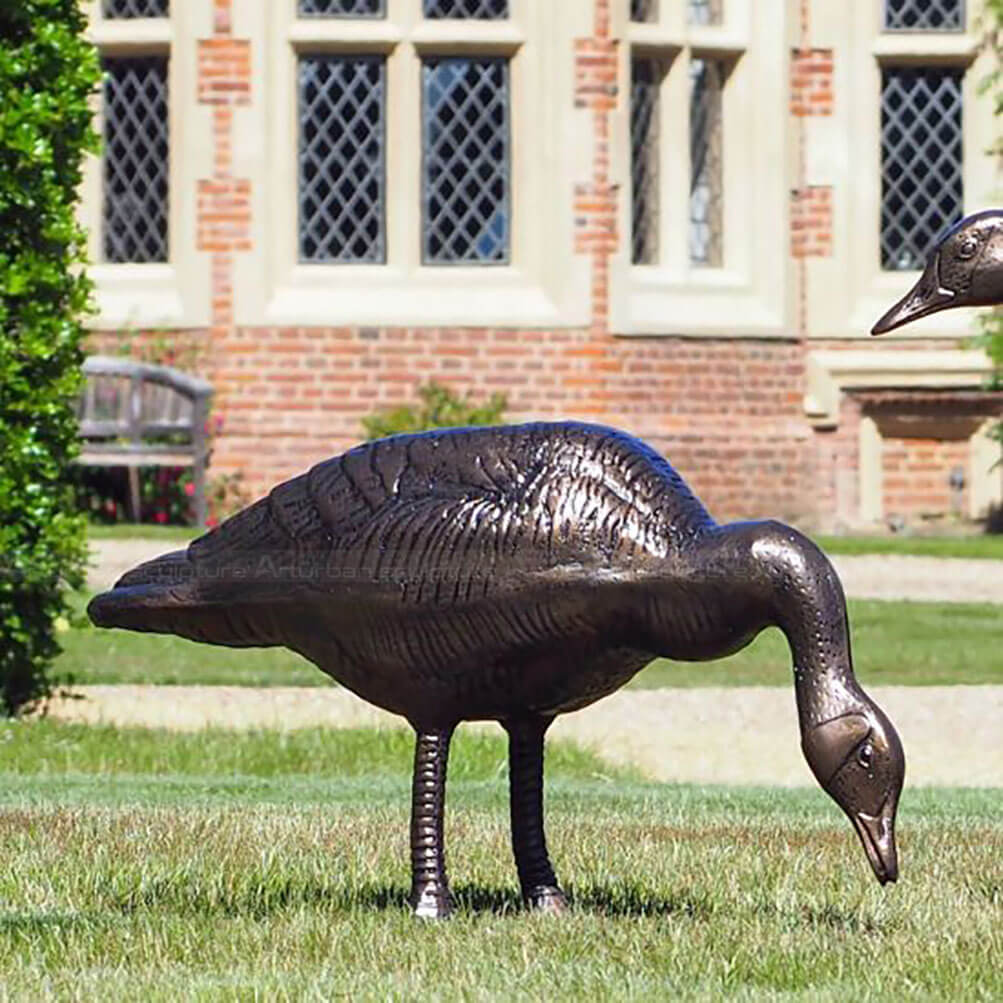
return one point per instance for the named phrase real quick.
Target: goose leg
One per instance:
(536, 876)
(430, 897)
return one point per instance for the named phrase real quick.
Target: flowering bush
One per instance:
(166, 495)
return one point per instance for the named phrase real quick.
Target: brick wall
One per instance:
(916, 475)
(727, 412)
(811, 82)
(811, 222)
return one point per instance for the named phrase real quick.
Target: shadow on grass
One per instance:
(261, 898)
(34, 923)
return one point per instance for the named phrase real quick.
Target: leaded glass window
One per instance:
(482, 10)
(342, 158)
(342, 8)
(706, 162)
(645, 80)
(466, 199)
(924, 15)
(921, 161)
(644, 10)
(705, 11)
(135, 8)
(136, 159)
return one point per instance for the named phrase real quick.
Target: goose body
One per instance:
(513, 574)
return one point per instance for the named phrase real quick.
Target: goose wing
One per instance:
(416, 519)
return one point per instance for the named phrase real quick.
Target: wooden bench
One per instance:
(133, 414)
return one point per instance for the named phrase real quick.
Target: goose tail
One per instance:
(143, 598)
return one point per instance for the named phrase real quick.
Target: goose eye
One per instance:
(968, 247)
(865, 756)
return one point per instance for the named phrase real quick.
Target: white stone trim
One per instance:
(173, 294)
(985, 472)
(831, 372)
(546, 284)
(871, 484)
(751, 295)
(847, 292)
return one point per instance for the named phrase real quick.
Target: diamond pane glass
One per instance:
(135, 8)
(482, 10)
(705, 11)
(136, 159)
(706, 162)
(342, 8)
(465, 169)
(924, 15)
(644, 10)
(645, 78)
(921, 161)
(342, 158)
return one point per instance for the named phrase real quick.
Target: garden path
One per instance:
(746, 735)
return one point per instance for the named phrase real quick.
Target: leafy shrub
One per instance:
(439, 407)
(991, 323)
(47, 73)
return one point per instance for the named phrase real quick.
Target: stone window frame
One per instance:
(172, 294)
(749, 295)
(544, 284)
(846, 292)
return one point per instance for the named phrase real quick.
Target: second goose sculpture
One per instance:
(964, 269)
(514, 574)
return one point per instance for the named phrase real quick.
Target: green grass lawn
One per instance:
(984, 546)
(146, 865)
(909, 643)
(132, 531)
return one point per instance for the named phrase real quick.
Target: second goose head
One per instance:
(964, 269)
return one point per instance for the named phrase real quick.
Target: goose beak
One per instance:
(926, 297)
(877, 834)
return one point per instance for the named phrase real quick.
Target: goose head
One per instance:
(850, 745)
(857, 758)
(964, 269)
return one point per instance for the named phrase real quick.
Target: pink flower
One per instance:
(189, 489)
(160, 517)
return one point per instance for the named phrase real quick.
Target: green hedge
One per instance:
(47, 74)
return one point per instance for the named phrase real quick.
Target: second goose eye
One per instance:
(968, 248)
(865, 756)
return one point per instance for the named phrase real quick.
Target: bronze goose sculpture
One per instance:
(513, 574)
(965, 268)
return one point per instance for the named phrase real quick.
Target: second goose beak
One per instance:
(926, 296)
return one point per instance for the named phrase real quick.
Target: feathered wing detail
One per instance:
(430, 518)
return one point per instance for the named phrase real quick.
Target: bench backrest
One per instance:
(125, 399)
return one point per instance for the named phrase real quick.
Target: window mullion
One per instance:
(674, 129)
(404, 159)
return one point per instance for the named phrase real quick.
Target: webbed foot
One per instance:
(548, 899)
(431, 902)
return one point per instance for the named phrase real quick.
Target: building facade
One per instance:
(680, 217)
